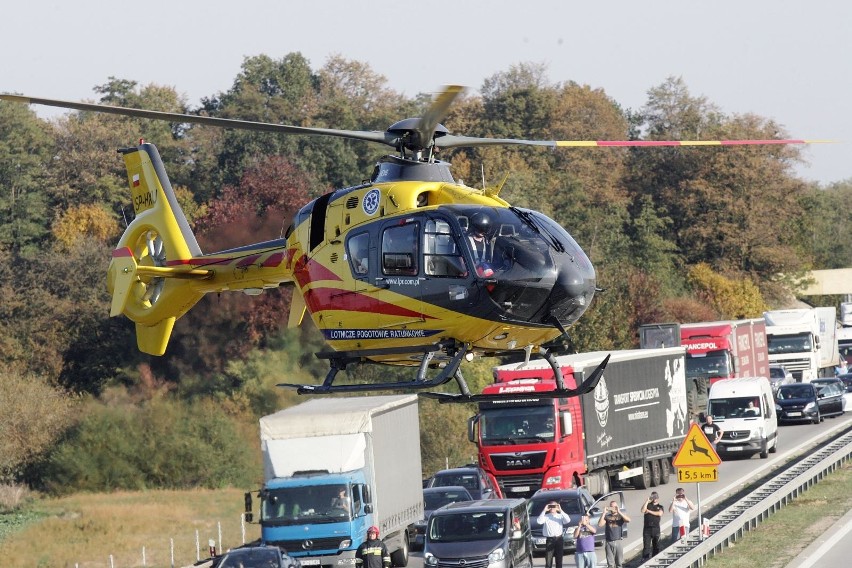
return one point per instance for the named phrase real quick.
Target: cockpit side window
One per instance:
(400, 250)
(358, 249)
(441, 255)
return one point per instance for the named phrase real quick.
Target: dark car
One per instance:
(257, 557)
(474, 479)
(574, 502)
(846, 379)
(830, 396)
(435, 498)
(808, 401)
(779, 375)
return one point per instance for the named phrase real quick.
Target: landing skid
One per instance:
(585, 387)
(340, 360)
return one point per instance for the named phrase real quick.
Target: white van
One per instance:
(745, 410)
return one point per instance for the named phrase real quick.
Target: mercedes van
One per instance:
(489, 533)
(744, 409)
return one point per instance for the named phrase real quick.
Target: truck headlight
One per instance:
(429, 559)
(496, 555)
(345, 543)
(553, 480)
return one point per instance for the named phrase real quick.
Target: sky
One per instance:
(786, 60)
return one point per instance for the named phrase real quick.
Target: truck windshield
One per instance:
(467, 527)
(713, 364)
(797, 343)
(315, 504)
(517, 425)
(736, 407)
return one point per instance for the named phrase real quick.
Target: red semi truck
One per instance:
(628, 428)
(719, 350)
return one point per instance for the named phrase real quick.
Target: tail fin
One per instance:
(150, 274)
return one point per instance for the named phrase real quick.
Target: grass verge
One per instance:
(85, 530)
(779, 539)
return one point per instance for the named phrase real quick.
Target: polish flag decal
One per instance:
(135, 180)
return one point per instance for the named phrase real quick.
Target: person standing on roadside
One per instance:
(712, 430)
(613, 520)
(680, 509)
(653, 514)
(584, 538)
(372, 553)
(552, 520)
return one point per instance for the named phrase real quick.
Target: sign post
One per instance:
(697, 461)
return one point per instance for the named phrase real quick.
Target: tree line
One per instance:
(675, 233)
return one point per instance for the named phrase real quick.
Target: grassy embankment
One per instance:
(84, 530)
(774, 543)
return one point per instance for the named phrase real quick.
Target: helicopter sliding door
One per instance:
(398, 274)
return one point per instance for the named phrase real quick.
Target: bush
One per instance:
(161, 444)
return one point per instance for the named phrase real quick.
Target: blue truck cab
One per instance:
(324, 515)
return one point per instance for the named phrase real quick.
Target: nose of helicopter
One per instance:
(574, 288)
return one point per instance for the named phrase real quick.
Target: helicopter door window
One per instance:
(441, 254)
(358, 249)
(399, 250)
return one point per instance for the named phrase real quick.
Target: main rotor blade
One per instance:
(437, 111)
(385, 138)
(451, 141)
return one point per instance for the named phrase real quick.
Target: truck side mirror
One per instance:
(249, 517)
(565, 423)
(471, 428)
(368, 498)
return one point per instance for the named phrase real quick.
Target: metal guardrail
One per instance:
(749, 511)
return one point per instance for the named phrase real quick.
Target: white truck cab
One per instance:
(744, 409)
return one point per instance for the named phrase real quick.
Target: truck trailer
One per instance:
(332, 468)
(627, 429)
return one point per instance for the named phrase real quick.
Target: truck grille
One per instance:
(463, 562)
(300, 547)
(520, 485)
(518, 460)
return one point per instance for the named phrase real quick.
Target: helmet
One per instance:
(373, 529)
(480, 222)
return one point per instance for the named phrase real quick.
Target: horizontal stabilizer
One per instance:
(124, 274)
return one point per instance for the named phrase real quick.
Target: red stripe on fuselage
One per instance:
(321, 299)
(307, 271)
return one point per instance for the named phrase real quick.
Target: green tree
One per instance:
(25, 151)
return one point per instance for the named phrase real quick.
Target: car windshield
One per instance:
(436, 500)
(570, 506)
(466, 480)
(795, 391)
(254, 558)
(776, 373)
(466, 526)
(734, 407)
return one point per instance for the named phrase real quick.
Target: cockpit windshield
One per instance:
(533, 268)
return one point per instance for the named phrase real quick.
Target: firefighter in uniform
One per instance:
(372, 553)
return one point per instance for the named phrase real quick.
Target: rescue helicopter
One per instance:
(410, 267)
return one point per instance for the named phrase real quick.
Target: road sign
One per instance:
(696, 450)
(697, 474)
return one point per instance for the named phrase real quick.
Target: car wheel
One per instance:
(764, 450)
(818, 418)
(774, 447)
